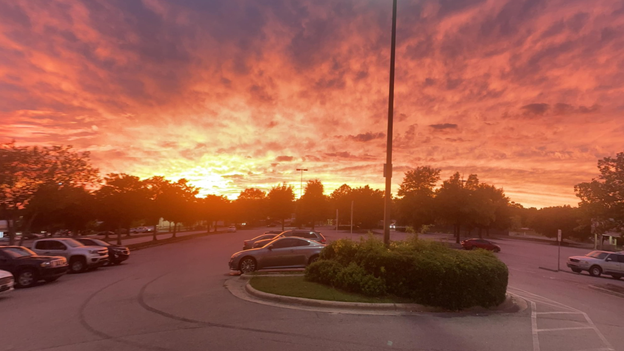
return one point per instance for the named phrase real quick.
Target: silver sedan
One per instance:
(288, 252)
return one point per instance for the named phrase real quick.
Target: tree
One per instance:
(179, 199)
(313, 205)
(452, 201)
(24, 170)
(214, 207)
(602, 199)
(121, 200)
(340, 200)
(415, 205)
(251, 206)
(368, 206)
(280, 202)
(550, 219)
(156, 206)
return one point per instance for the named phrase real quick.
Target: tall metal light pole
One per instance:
(301, 185)
(388, 165)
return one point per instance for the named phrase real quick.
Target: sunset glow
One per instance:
(234, 94)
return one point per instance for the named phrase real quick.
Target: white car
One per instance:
(231, 229)
(597, 263)
(6, 282)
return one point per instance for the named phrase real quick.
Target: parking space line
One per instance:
(534, 299)
(558, 329)
(536, 346)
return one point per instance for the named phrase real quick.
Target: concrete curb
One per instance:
(512, 303)
(606, 290)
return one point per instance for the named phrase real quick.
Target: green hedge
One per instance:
(427, 272)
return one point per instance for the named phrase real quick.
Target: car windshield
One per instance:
(597, 254)
(100, 242)
(73, 243)
(17, 252)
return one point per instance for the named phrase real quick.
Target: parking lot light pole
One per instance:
(388, 165)
(301, 184)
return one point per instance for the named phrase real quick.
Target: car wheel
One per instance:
(77, 265)
(616, 276)
(595, 271)
(247, 265)
(576, 270)
(313, 259)
(26, 278)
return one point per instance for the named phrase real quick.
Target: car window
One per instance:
(56, 245)
(86, 241)
(298, 242)
(283, 243)
(612, 258)
(620, 258)
(72, 243)
(41, 245)
(597, 254)
(17, 252)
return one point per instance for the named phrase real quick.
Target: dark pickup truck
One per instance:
(28, 268)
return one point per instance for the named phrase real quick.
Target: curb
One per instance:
(605, 290)
(512, 303)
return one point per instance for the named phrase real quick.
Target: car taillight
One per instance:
(322, 241)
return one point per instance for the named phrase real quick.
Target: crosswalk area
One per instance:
(556, 326)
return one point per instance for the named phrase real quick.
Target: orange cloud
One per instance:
(527, 94)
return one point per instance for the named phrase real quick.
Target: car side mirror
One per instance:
(608, 259)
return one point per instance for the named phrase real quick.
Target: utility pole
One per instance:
(301, 185)
(388, 165)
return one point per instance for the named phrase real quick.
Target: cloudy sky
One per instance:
(527, 94)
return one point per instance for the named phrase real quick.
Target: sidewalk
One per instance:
(147, 239)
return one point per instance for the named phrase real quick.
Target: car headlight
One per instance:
(93, 251)
(45, 264)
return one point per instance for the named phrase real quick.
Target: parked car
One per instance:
(6, 282)
(471, 244)
(285, 252)
(308, 234)
(598, 262)
(231, 229)
(116, 253)
(28, 268)
(248, 244)
(80, 257)
(33, 236)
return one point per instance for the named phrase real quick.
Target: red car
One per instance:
(472, 244)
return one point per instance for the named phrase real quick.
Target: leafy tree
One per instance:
(550, 219)
(156, 206)
(368, 206)
(340, 199)
(280, 202)
(179, 199)
(251, 206)
(452, 203)
(121, 200)
(313, 205)
(24, 170)
(415, 205)
(602, 199)
(214, 208)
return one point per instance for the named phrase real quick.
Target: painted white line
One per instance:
(536, 346)
(559, 312)
(557, 329)
(590, 322)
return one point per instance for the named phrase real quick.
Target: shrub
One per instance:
(425, 271)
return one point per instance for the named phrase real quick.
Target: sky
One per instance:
(236, 94)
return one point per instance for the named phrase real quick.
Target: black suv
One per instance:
(116, 253)
(308, 234)
(28, 268)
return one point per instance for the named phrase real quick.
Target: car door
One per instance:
(281, 253)
(611, 264)
(7, 263)
(620, 259)
(56, 248)
(301, 249)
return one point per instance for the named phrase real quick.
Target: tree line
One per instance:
(51, 188)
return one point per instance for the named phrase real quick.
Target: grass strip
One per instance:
(298, 287)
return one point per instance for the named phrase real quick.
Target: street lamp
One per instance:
(301, 185)
(388, 165)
